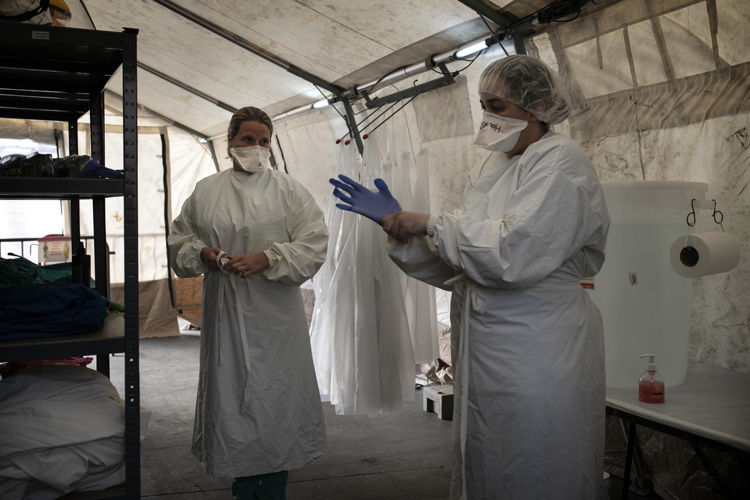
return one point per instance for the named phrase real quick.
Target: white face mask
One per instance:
(499, 133)
(251, 158)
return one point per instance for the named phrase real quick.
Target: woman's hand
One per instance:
(247, 265)
(403, 225)
(208, 257)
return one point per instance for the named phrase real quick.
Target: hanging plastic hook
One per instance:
(717, 215)
(692, 213)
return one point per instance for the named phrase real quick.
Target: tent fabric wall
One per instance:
(151, 239)
(156, 316)
(40, 132)
(677, 77)
(189, 161)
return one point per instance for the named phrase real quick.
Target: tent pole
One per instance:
(351, 122)
(187, 87)
(213, 154)
(166, 163)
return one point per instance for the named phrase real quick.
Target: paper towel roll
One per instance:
(701, 254)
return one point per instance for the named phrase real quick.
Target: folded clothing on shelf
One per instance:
(22, 271)
(50, 310)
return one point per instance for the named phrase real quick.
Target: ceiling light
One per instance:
(471, 49)
(320, 104)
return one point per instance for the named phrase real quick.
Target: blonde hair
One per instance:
(247, 114)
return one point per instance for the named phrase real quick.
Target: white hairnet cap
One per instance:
(524, 81)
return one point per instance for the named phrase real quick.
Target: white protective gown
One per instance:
(527, 340)
(258, 407)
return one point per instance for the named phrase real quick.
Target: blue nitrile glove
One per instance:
(359, 199)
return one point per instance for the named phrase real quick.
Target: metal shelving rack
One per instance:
(58, 74)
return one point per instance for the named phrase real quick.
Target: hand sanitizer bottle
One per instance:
(650, 385)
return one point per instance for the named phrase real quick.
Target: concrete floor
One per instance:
(405, 455)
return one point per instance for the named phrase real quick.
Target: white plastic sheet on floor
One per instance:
(371, 323)
(62, 430)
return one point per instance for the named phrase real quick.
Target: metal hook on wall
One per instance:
(717, 215)
(692, 213)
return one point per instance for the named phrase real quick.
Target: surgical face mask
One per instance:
(499, 133)
(251, 158)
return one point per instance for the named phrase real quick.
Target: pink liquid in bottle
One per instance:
(651, 391)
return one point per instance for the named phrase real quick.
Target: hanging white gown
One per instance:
(372, 323)
(527, 340)
(258, 408)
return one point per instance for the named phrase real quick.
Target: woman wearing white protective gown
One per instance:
(255, 234)
(527, 339)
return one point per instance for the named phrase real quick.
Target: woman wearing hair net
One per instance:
(255, 234)
(527, 340)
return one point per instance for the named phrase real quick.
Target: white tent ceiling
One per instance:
(194, 76)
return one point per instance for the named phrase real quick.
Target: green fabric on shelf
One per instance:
(22, 271)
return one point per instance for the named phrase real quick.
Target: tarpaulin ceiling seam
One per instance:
(249, 46)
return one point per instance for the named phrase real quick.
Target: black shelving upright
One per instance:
(58, 74)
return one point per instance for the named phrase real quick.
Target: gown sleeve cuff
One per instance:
(273, 258)
(432, 224)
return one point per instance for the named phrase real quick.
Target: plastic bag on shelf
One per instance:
(50, 310)
(43, 165)
(70, 166)
(33, 165)
(8, 158)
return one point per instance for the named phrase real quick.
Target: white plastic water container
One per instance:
(644, 303)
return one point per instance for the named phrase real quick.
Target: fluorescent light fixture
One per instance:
(320, 104)
(471, 49)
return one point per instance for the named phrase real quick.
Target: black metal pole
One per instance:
(130, 205)
(351, 122)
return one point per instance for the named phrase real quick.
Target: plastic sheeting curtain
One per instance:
(371, 323)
